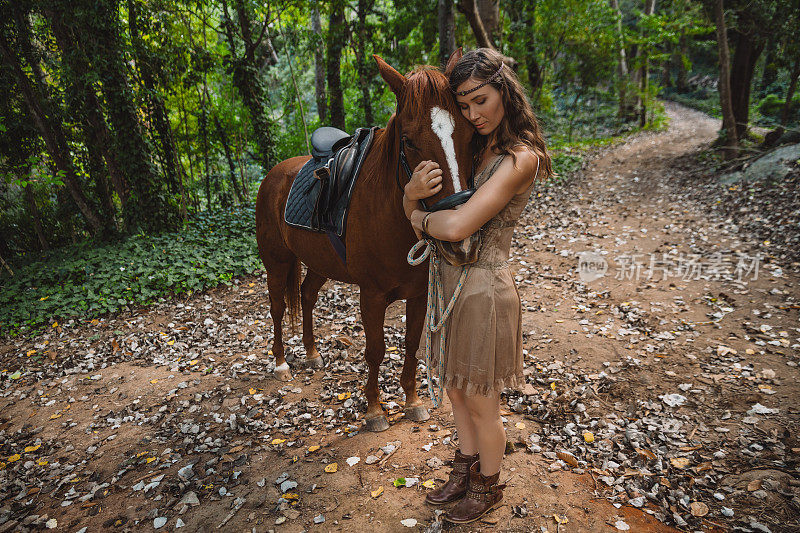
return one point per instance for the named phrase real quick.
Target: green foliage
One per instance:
(771, 106)
(88, 280)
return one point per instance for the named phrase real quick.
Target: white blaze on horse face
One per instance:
(443, 125)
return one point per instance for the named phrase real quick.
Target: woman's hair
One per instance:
(519, 125)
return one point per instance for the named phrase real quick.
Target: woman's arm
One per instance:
(457, 224)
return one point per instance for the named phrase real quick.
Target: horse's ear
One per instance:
(392, 77)
(451, 63)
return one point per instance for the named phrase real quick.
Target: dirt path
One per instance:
(676, 376)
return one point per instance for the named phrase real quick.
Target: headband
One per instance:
(490, 80)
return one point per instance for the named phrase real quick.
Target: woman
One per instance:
(484, 332)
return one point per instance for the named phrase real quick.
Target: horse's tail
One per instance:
(293, 293)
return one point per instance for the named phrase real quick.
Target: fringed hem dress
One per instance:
(483, 335)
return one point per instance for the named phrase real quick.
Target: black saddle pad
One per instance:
(306, 189)
(300, 204)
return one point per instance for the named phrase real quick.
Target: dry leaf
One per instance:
(519, 425)
(754, 485)
(29, 449)
(429, 484)
(313, 448)
(698, 509)
(588, 437)
(679, 462)
(377, 492)
(278, 441)
(646, 453)
(331, 468)
(568, 458)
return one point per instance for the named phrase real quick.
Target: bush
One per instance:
(89, 280)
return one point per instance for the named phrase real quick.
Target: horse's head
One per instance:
(431, 127)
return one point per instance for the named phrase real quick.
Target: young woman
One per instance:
(483, 352)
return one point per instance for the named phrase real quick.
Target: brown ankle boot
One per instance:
(483, 495)
(456, 486)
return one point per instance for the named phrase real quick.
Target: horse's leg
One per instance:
(415, 316)
(309, 291)
(373, 312)
(277, 279)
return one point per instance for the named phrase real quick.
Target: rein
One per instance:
(435, 305)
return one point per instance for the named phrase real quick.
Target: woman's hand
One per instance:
(426, 180)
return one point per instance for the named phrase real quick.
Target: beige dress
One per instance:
(483, 348)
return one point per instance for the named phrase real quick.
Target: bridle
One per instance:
(448, 202)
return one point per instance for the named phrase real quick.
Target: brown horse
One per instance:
(378, 235)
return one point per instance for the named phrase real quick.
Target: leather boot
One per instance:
(483, 495)
(456, 486)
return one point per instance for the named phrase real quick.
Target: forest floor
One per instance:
(681, 369)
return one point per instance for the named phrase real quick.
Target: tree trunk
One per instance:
(336, 38)
(745, 57)
(149, 208)
(97, 133)
(364, 6)
(644, 73)
(624, 109)
(229, 158)
(679, 58)
(36, 217)
(728, 118)
(157, 108)
(247, 80)
(772, 138)
(489, 11)
(770, 73)
(447, 33)
(319, 65)
(49, 128)
(470, 10)
(666, 74)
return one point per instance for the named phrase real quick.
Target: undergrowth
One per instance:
(88, 280)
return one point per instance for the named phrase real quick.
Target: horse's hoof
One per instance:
(417, 413)
(377, 424)
(317, 362)
(283, 373)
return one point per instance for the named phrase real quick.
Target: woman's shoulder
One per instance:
(525, 156)
(525, 162)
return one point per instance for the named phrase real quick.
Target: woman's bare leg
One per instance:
(491, 435)
(467, 438)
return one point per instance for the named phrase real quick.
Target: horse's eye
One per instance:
(410, 144)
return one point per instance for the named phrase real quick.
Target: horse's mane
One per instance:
(427, 87)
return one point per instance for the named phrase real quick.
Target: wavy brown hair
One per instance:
(519, 125)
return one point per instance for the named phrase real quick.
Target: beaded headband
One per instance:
(490, 80)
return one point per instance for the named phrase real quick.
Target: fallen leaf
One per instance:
(377, 492)
(679, 462)
(409, 522)
(588, 437)
(519, 425)
(313, 448)
(331, 468)
(278, 441)
(698, 509)
(568, 458)
(399, 482)
(754, 485)
(429, 484)
(29, 449)
(352, 461)
(561, 519)
(14, 458)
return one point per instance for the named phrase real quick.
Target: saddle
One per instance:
(321, 191)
